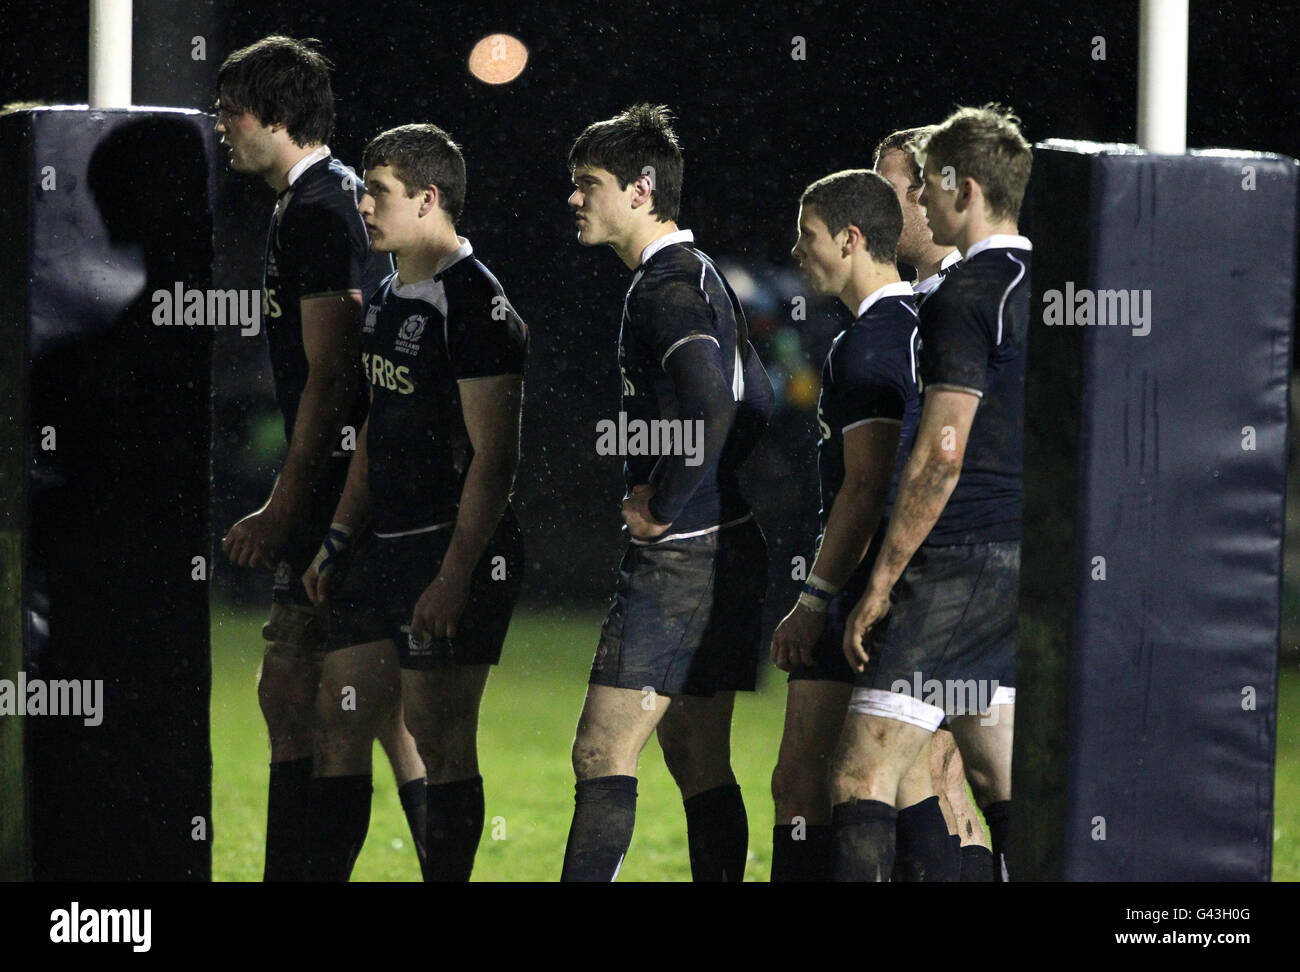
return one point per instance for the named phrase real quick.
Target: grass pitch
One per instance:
(530, 710)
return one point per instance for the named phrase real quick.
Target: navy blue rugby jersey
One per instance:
(973, 331)
(316, 247)
(678, 296)
(417, 341)
(869, 376)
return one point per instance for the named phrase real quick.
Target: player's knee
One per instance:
(794, 783)
(286, 690)
(448, 752)
(591, 759)
(850, 777)
(846, 785)
(678, 756)
(988, 786)
(346, 711)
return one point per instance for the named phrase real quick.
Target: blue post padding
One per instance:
(1179, 513)
(116, 207)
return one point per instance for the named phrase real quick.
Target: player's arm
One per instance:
(353, 509)
(928, 479)
(926, 483)
(703, 396)
(869, 451)
(958, 335)
(492, 407)
(351, 516)
(329, 337)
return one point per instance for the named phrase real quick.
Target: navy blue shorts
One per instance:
(687, 615)
(387, 577)
(954, 616)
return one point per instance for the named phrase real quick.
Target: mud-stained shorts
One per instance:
(687, 615)
(387, 576)
(953, 617)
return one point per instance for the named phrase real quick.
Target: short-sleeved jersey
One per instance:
(316, 247)
(677, 296)
(417, 341)
(973, 331)
(869, 376)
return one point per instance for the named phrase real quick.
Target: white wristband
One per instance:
(821, 585)
(812, 603)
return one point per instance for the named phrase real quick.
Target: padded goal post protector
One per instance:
(109, 446)
(1155, 495)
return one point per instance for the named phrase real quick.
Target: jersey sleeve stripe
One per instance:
(1007, 293)
(911, 350)
(690, 337)
(944, 386)
(878, 418)
(331, 293)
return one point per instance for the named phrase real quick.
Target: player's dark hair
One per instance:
(904, 140)
(984, 144)
(281, 80)
(641, 139)
(861, 198)
(422, 155)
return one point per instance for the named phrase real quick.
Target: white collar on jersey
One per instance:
(421, 287)
(898, 288)
(1000, 241)
(307, 161)
(929, 283)
(668, 239)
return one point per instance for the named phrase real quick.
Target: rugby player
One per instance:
(275, 111)
(436, 583)
(682, 634)
(951, 553)
(848, 230)
(895, 160)
(849, 227)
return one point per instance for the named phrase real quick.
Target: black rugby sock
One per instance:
(286, 815)
(338, 818)
(603, 815)
(863, 843)
(998, 817)
(803, 860)
(717, 832)
(455, 827)
(412, 795)
(925, 850)
(976, 863)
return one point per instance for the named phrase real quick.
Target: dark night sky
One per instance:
(755, 124)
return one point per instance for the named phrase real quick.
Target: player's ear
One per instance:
(968, 192)
(852, 237)
(643, 187)
(429, 202)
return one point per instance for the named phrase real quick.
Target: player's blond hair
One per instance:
(983, 144)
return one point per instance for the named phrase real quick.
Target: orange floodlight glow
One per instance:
(498, 59)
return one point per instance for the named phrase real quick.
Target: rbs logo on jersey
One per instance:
(385, 374)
